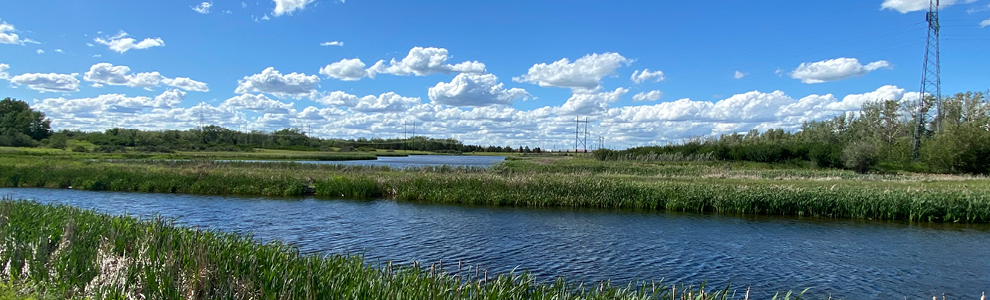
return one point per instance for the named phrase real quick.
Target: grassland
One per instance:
(547, 181)
(68, 253)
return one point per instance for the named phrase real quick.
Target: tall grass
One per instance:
(65, 252)
(793, 192)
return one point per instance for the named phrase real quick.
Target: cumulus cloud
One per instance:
(419, 62)
(591, 103)
(835, 69)
(287, 7)
(387, 102)
(107, 105)
(120, 43)
(906, 6)
(985, 23)
(48, 82)
(203, 8)
(107, 74)
(40, 51)
(425, 61)
(584, 73)
(271, 81)
(333, 43)
(259, 103)
(3, 71)
(346, 70)
(648, 96)
(7, 35)
(475, 90)
(739, 75)
(639, 77)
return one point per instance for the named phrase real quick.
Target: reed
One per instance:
(704, 188)
(69, 253)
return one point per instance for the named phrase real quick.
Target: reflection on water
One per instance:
(842, 258)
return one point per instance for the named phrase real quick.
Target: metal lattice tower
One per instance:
(931, 82)
(578, 140)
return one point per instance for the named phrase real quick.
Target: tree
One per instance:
(17, 117)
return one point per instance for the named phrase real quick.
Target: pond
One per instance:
(842, 258)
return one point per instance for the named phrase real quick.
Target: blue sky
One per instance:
(486, 72)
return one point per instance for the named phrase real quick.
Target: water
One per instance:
(415, 161)
(842, 258)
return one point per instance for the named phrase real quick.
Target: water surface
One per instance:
(415, 161)
(843, 258)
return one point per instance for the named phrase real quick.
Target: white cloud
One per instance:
(591, 103)
(283, 7)
(639, 77)
(107, 74)
(120, 43)
(985, 23)
(425, 61)
(835, 69)
(271, 81)
(107, 105)
(259, 103)
(3, 71)
(7, 35)
(648, 96)
(59, 51)
(475, 90)
(186, 84)
(48, 82)
(387, 102)
(346, 70)
(584, 73)
(333, 43)
(40, 51)
(203, 8)
(906, 6)
(739, 75)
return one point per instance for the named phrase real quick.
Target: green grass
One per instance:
(65, 252)
(547, 182)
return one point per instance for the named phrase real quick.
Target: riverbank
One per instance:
(69, 253)
(708, 187)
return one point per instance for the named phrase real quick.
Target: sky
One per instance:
(508, 73)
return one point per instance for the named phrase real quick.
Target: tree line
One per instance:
(879, 138)
(20, 126)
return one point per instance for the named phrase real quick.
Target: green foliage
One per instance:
(860, 156)
(58, 141)
(879, 137)
(17, 118)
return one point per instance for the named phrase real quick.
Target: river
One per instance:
(843, 258)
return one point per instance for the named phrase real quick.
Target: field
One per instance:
(61, 252)
(547, 181)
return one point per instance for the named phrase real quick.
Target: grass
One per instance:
(708, 187)
(65, 252)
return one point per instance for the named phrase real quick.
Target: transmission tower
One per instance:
(578, 131)
(931, 82)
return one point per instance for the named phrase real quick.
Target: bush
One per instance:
(79, 149)
(58, 141)
(860, 156)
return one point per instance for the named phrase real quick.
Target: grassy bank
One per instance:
(64, 252)
(547, 182)
(257, 154)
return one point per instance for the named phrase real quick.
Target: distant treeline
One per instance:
(879, 138)
(215, 138)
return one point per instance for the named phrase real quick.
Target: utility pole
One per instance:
(578, 140)
(931, 82)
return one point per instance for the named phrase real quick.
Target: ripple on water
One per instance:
(841, 258)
